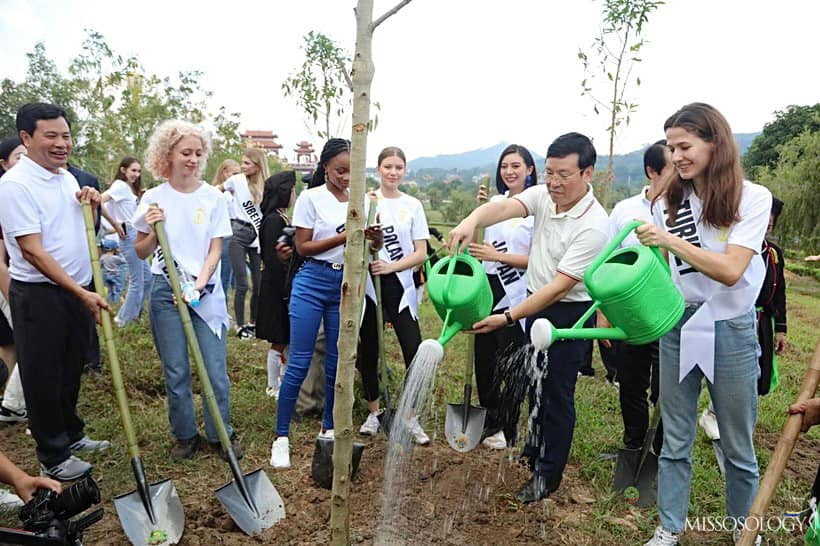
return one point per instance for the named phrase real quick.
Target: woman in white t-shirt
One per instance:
(196, 220)
(711, 222)
(247, 188)
(405, 232)
(119, 202)
(226, 169)
(505, 253)
(319, 217)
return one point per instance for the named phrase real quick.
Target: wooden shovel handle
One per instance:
(782, 452)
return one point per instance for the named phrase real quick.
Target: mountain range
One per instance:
(628, 167)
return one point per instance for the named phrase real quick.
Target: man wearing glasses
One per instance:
(570, 230)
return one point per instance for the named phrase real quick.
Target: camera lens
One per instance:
(76, 498)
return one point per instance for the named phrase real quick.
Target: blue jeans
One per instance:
(114, 284)
(169, 337)
(734, 394)
(225, 269)
(139, 279)
(314, 297)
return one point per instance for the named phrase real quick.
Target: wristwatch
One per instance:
(510, 321)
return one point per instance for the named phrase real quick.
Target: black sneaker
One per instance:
(237, 449)
(10, 416)
(185, 449)
(535, 489)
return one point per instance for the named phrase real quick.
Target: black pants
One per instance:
(503, 403)
(765, 337)
(405, 326)
(51, 333)
(553, 426)
(637, 372)
(243, 256)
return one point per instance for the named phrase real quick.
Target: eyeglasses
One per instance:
(560, 176)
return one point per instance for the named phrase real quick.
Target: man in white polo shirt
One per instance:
(570, 230)
(51, 307)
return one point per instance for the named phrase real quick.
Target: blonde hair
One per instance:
(256, 183)
(220, 175)
(162, 142)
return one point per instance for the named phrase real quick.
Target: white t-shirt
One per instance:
(637, 207)
(123, 202)
(565, 242)
(319, 210)
(35, 200)
(512, 236)
(754, 210)
(192, 220)
(244, 207)
(403, 222)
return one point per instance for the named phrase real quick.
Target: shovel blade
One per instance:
(269, 505)
(639, 486)
(170, 519)
(461, 438)
(321, 468)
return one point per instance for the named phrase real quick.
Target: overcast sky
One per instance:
(452, 75)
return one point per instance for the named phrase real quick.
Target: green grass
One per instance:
(598, 428)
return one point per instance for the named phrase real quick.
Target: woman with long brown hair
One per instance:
(119, 202)
(711, 222)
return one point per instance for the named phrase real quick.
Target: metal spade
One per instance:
(250, 499)
(152, 514)
(636, 470)
(464, 423)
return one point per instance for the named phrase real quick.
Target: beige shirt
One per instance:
(564, 242)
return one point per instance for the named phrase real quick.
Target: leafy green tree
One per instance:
(765, 149)
(795, 180)
(322, 87)
(435, 196)
(462, 202)
(616, 51)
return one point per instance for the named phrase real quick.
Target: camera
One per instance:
(288, 232)
(47, 516)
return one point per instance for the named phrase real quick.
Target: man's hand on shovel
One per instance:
(92, 301)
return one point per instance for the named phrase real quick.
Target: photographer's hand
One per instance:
(29, 484)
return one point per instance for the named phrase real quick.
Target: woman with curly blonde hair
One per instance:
(196, 220)
(246, 188)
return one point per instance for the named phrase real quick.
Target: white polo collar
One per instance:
(579, 209)
(38, 171)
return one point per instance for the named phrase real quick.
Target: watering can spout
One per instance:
(450, 328)
(543, 334)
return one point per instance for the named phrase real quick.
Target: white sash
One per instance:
(212, 307)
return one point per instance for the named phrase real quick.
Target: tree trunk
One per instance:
(352, 287)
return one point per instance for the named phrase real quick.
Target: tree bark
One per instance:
(352, 300)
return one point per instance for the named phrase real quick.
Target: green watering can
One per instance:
(460, 292)
(633, 289)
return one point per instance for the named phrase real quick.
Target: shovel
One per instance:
(636, 470)
(464, 423)
(386, 415)
(250, 499)
(152, 514)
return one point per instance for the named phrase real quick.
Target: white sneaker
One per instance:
(273, 392)
(371, 426)
(280, 453)
(496, 441)
(419, 436)
(708, 422)
(736, 537)
(9, 500)
(326, 435)
(662, 537)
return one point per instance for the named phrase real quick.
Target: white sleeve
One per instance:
(419, 229)
(533, 199)
(304, 212)
(18, 210)
(581, 251)
(521, 238)
(613, 223)
(755, 208)
(138, 220)
(220, 221)
(119, 190)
